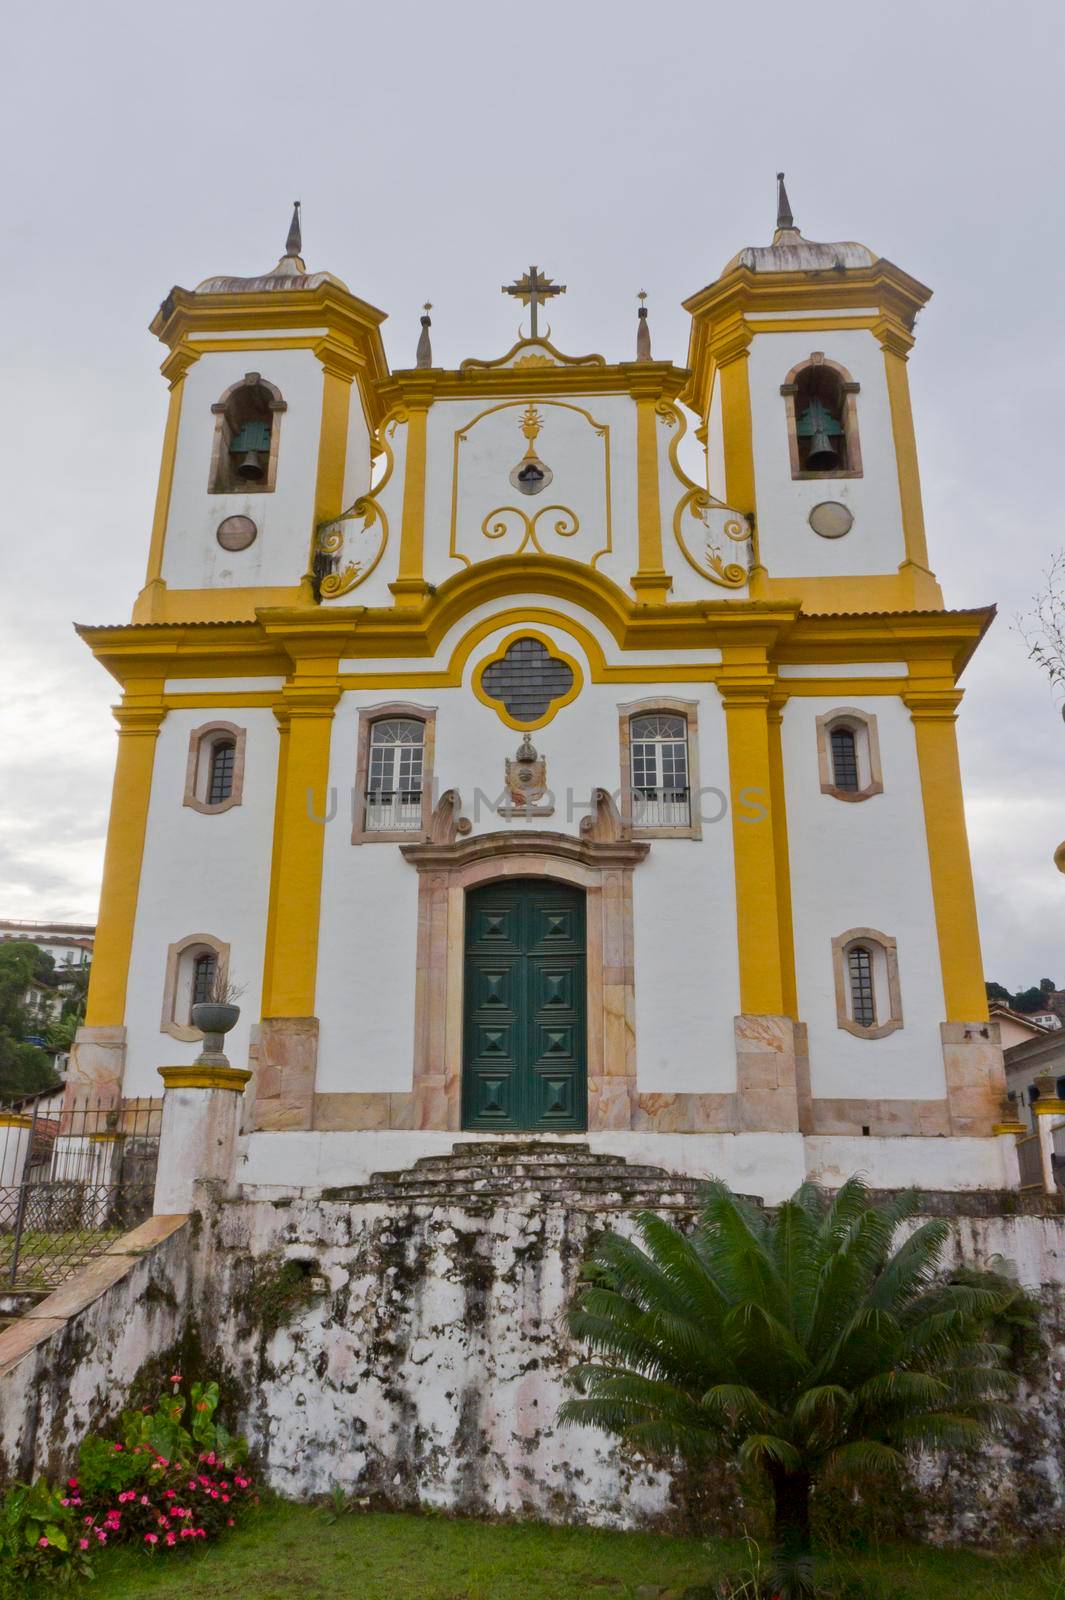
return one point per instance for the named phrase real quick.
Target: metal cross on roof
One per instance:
(533, 289)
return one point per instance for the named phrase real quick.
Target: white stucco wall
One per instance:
(200, 874)
(787, 544)
(687, 983)
(192, 556)
(863, 864)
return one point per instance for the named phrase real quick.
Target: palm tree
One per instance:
(804, 1344)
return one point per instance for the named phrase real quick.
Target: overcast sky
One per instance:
(437, 151)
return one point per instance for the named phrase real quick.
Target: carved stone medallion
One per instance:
(526, 783)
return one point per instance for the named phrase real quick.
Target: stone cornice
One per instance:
(497, 846)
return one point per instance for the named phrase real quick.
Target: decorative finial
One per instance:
(424, 358)
(784, 216)
(643, 332)
(294, 242)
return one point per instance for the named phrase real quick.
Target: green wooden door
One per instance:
(525, 1064)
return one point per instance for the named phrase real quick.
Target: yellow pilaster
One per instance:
(746, 685)
(409, 586)
(337, 374)
(139, 718)
(651, 582)
(933, 707)
(781, 857)
(896, 343)
(305, 717)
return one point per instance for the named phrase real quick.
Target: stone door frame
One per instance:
(600, 861)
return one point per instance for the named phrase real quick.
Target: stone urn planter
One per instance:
(214, 1018)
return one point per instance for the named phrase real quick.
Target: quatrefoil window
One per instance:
(527, 681)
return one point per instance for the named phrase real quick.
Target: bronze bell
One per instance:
(823, 453)
(250, 468)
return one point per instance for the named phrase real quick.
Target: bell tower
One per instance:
(272, 405)
(798, 357)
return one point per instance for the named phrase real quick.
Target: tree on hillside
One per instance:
(803, 1344)
(24, 1068)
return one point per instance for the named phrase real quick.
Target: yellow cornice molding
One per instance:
(353, 345)
(628, 377)
(742, 294)
(938, 643)
(205, 1077)
(479, 364)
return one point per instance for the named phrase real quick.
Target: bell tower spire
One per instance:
(294, 242)
(785, 220)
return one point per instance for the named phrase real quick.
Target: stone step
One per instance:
(530, 1174)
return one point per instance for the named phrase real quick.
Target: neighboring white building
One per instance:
(70, 944)
(531, 784)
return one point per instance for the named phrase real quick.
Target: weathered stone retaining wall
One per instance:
(406, 1340)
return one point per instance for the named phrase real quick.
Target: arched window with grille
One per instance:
(848, 754)
(393, 780)
(195, 966)
(659, 768)
(214, 774)
(868, 998)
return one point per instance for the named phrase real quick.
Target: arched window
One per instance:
(822, 414)
(866, 967)
(394, 788)
(844, 758)
(220, 781)
(193, 967)
(860, 972)
(247, 432)
(659, 751)
(394, 772)
(214, 773)
(848, 754)
(659, 768)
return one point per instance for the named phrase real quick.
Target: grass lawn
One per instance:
(288, 1551)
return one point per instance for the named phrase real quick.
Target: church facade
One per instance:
(554, 745)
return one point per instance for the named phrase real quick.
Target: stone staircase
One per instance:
(527, 1172)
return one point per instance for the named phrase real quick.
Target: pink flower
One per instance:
(72, 1483)
(144, 1499)
(64, 1502)
(42, 1543)
(88, 1522)
(118, 1447)
(200, 1533)
(169, 1494)
(175, 1377)
(101, 1535)
(225, 1499)
(229, 1522)
(171, 1538)
(151, 1538)
(83, 1544)
(187, 1533)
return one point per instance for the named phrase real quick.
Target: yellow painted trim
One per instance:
(627, 377)
(782, 859)
(737, 427)
(746, 687)
(556, 705)
(196, 1077)
(651, 581)
(306, 709)
(166, 482)
(811, 324)
(409, 588)
(837, 688)
(13, 1120)
(902, 429)
(1046, 1107)
(195, 701)
(276, 853)
(881, 591)
(332, 454)
(139, 718)
(933, 709)
(157, 603)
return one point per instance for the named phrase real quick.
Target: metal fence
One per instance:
(74, 1174)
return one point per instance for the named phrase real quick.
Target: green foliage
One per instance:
(1034, 998)
(804, 1345)
(160, 1487)
(38, 1540)
(24, 1068)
